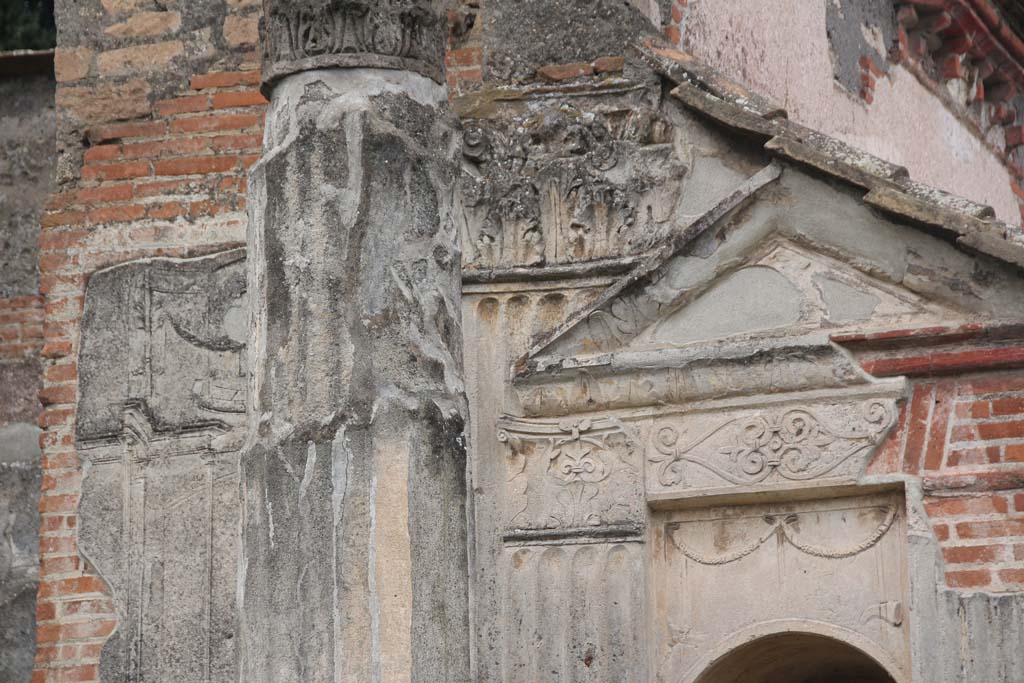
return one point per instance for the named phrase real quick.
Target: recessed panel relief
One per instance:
(785, 446)
(160, 423)
(725, 576)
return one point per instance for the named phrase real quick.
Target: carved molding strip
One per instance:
(576, 477)
(786, 527)
(391, 34)
(796, 444)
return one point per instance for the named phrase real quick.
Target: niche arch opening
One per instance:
(795, 657)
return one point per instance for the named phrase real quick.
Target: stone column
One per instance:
(354, 560)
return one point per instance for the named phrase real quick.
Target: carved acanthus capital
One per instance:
(300, 35)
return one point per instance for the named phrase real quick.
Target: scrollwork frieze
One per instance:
(791, 444)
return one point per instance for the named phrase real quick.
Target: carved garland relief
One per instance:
(787, 528)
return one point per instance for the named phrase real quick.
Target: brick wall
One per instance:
(159, 118)
(964, 437)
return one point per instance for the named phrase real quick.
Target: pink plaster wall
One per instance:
(780, 49)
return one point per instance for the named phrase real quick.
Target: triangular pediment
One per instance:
(789, 291)
(776, 269)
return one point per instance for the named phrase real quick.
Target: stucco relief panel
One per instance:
(833, 567)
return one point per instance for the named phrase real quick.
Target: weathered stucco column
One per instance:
(353, 480)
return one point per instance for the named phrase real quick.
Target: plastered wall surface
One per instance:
(782, 50)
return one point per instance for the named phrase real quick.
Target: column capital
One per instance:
(299, 35)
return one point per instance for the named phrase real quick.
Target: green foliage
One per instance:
(27, 25)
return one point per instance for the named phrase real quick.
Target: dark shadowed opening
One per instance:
(795, 658)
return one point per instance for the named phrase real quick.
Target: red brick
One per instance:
(77, 585)
(64, 306)
(55, 260)
(1001, 430)
(972, 554)
(976, 410)
(1012, 577)
(942, 406)
(195, 165)
(163, 148)
(104, 194)
(58, 395)
(673, 34)
(81, 673)
(467, 56)
(59, 218)
(117, 214)
(57, 545)
(1018, 502)
(474, 75)
(1014, 136)
(243, 98)
(62, 480)
(167, 211)
(951, 67)
(991, 529)
(121, 131)
(52, 417)
(91, 606)
(183, 105)
(564, 72)
(941, 531)
(970, 578)
(102, 153)
(975, 505)
(45, 611)
(59, 565)
(993, 383)
(976, 481)
(77, 631)
(225, 79)
(609, 64)
(1008, 406)
(238, 142)
(56, 350)
(214, 122)
(973, 456)
(123, 171)
(917, 427)
(51, 523)
(60, 460)
(164, 187)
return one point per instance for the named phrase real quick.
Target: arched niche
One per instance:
(816, 653)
